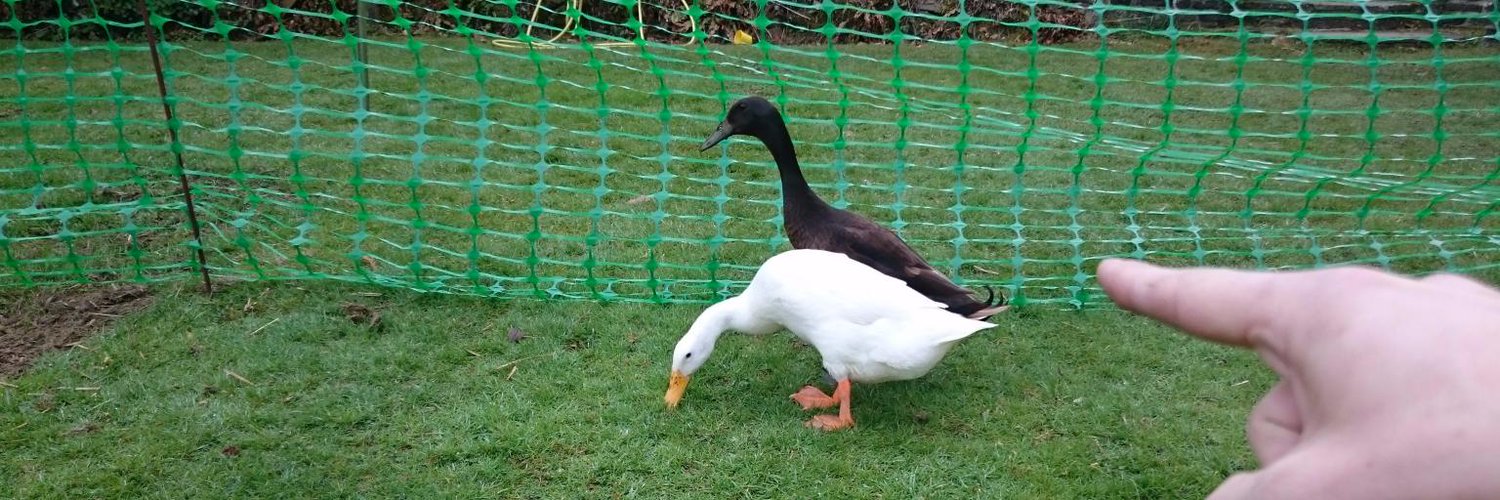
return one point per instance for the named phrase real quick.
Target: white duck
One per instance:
(869, 327)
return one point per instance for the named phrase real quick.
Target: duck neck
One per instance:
(713, 322)
(796, 195)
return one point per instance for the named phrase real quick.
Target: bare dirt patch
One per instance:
(38, 321)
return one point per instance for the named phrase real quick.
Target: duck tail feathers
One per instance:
(990, 301)
(986, 313)
(958, 327)
(991, 306)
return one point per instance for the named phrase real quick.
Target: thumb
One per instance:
(1275, 425)
(1307, 472)
(1239, 486)
(1274, 482)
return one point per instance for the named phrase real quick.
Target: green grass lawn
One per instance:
(1050, 404)
(572, 173)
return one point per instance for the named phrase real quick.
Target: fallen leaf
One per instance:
(370, 262)
(362, 315)
(515, 335)
(231, 451)
(639, 199)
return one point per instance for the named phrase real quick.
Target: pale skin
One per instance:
(1389, 386)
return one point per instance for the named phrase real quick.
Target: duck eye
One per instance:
(687, 356)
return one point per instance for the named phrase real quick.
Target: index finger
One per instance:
(1241, 308)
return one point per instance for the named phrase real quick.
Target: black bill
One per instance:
(723, 132)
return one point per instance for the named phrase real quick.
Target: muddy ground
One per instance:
(33, 322)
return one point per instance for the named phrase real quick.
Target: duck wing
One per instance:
(880, 248)
(811, 286)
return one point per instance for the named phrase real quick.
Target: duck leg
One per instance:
(844, 419)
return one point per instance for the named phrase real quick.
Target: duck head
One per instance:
(691, 352)
(697, 344)
(744, 118)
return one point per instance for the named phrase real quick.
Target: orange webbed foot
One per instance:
(812, 398)
(830, 423)
(844, 419)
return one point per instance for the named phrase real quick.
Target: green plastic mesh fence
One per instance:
(548, 148)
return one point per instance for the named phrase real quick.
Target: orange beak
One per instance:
(676, 385)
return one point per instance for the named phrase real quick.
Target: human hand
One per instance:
(1389, 386)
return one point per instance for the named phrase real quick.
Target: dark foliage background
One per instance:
(847, 21)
